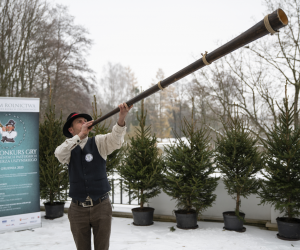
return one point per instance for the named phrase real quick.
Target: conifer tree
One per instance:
(114, 159)
(141, 168)
(188, 170)
(54, 179)
(281, 186)
(238, 159)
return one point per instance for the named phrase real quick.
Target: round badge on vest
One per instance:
(89, 157)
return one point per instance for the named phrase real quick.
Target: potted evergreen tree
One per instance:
(281, 186)
(54, 180)
(239, 160)
(188, 169)
(141, 170)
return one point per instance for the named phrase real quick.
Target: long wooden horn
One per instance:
(270, 24)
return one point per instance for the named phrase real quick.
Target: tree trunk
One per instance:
(237, 207)
(289, 209)
(180, 119)
(142, 198)
(51, 197)
(175, 121)
(203, 112)
(296, 116)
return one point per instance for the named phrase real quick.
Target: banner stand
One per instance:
(19, 164)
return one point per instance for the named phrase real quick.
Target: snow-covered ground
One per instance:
(56, 235)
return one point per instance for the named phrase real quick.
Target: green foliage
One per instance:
(238, 159)
(188, 169)
(54, 179)
(114, 159)
(281, 186)
(141, 168)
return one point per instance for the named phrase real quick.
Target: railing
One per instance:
(118, 194)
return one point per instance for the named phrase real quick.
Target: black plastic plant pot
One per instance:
(142, 216)
(232, 222)
(288, 228)
(54, 210)
(186, 219)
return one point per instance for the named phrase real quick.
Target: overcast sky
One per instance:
(168, 34)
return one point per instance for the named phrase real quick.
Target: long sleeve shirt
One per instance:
(106, 144)
(8, 134)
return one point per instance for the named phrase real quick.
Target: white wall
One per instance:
(164, 205)
(274, 215)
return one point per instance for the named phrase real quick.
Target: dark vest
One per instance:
(87, 177)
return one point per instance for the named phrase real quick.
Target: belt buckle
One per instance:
(87, 199)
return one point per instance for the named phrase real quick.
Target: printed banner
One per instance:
(19, 163)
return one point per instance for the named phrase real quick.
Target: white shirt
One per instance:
(8, 134)
(106, 144)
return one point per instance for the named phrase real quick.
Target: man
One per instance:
(8, 132)
(86, 157)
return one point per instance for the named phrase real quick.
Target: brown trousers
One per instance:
(83, 219)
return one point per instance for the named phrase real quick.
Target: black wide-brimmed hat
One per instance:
(69, 121)
(11, 122)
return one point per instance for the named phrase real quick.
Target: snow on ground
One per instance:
(56, 235)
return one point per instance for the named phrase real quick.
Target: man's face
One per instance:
(9, 128)
(76, 125)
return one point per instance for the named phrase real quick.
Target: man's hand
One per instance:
(123, 112)
(3, 129)
(85, 129)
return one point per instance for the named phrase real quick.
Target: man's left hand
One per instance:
(124, 109)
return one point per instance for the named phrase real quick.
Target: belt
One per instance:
(89, 202)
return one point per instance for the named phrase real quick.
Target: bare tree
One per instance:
(159, 109)
(180, 100)
(235, 81)
(42, 48)
(118, 84)
(281, 54)
(19, 25)
(254, 79)
(63, 66)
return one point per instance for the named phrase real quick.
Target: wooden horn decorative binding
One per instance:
(269, 25)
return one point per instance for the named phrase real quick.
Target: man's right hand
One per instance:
(85, 129)
(3, 129)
